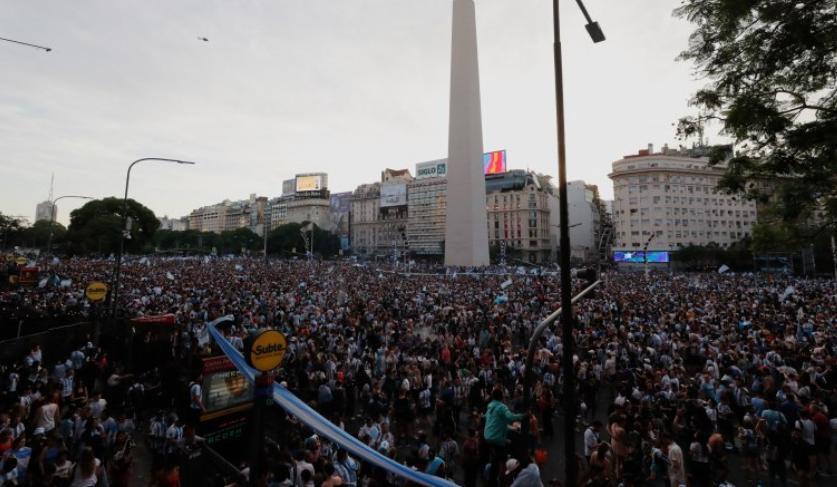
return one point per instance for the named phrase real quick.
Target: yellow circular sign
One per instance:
(21, 260)
(266, 350)
(10, 257)
(96, 291)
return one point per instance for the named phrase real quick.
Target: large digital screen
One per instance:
(309, 183)
(494, 162)
(393, 195)
(638, 257)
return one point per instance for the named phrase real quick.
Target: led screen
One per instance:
(494, 162)
(638, 257)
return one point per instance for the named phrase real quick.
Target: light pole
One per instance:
(645, 252)
(118, 266)
(52, 217)
(566, 282)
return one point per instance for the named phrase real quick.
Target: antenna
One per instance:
(51, 185)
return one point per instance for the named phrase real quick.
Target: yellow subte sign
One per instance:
(266, 350)
(96, 291)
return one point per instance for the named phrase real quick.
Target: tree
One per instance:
(233, 241)
(38, 234)
(288, 238)
(10, 229)
(771, 71)
(96, 227)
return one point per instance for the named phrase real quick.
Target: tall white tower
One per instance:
(466, 225)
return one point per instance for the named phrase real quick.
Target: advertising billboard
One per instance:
(432, 169)
(223, 385)
(638, 257)
(309, 183)
(494, 162)
(393, 195)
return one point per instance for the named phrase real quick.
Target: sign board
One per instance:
(393, 195)
(223, 385)
(10, 257)
(21, 261)
(96, 291)
(432, 169)
(309, 183)
(494, 162)
(266, 350)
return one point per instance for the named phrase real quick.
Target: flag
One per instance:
(169, 276)
(43, 282)
(723, 269)
(505, 284)
(788, 291)
(501, 299)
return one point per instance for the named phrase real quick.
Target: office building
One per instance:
(43, 211)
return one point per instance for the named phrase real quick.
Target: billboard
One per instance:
(494, 162)
(432, 169)
(313, 182)
(393, 195)
(223, 385)
(638, 257)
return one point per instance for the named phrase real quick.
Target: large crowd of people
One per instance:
(683, 379)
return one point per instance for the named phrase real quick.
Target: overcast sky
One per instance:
(348, 87)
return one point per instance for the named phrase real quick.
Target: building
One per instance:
(43, 211)
(426, 207)
(585, 211)
(519, 215)
(174, 224)
(312, 208)
(229, 215)
(671, 198)
(365, 205)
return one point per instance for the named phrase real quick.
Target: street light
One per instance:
(52, 217)
(567, 365)
(118, 266)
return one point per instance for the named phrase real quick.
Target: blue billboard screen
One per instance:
(654, 257)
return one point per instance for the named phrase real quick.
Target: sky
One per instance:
(346, 87)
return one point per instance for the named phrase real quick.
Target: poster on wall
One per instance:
(393, 195)
(223, 386)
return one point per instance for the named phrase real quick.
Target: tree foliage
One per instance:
(771, 81)
(96, 227)
(287, 239)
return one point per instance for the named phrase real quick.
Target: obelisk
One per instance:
(466, 226)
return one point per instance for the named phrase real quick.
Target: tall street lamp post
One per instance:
(52, 217)
(566, 283)
(123, 230)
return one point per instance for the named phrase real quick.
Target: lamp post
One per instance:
(118, 266)
(566, 283)
(645, 253)
(52, 217)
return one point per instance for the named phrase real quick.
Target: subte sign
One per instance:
(96, 291)
(265, 351)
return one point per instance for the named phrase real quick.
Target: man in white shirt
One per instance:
(591, 439)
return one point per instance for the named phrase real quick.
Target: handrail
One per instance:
(529, 374)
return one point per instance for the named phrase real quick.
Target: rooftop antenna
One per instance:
(51, 185)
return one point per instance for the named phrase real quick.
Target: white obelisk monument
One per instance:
(466, 226)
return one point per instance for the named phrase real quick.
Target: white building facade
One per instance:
(673, 196)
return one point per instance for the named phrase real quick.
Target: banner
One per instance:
(166, 319)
